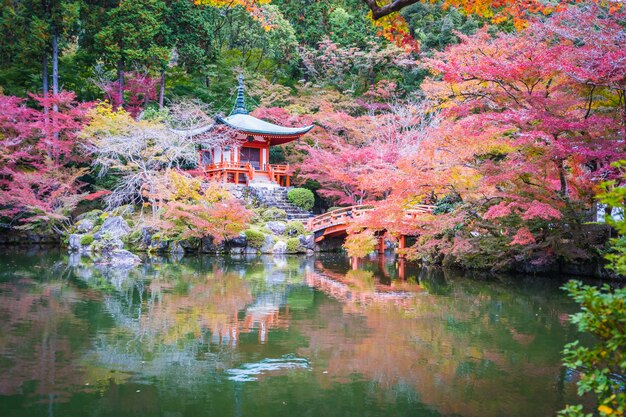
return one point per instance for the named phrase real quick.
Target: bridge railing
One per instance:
(339, 216)
(345, 214)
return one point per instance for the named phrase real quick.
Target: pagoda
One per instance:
(247, 161)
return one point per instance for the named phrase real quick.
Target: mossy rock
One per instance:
(295, 228)
(293, 245)
(92, 215)
(87, 239)
(274, 213)
(255, 238)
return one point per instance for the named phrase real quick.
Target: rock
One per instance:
(119, 257)
(107, 245)
(239, 241)
(146, 238)
(307, 242)
(190, 245)
(85, 225)
(74, 242)
(113, 226)
(177, 248)
(268, 245)
(279, 248)
(91, 215)
(249, 250)
(159, 246)
(278, 228)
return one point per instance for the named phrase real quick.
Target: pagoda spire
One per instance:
(240, 107)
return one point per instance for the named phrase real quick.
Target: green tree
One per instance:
(615, 199)
(135, 36)
(602, 366)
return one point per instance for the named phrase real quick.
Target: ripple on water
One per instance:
(251, 371)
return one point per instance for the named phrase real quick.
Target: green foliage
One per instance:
(615, 197)
(255, 238)
(435, 27)
(273, 213)
(293, 245)
(447, 204)
(294, 228)
(602, 366)
(87, 239)
(301, 197)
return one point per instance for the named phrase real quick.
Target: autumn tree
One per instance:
(526, 141)
(189, 209)
(39, 179)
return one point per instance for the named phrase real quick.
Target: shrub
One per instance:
(602, 363)
(87, 240)
(293, 245)
(333, 209)
(294, 228)
(255, 238)
(301, 197)
(274, 213)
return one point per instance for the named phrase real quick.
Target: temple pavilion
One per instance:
(247, 161)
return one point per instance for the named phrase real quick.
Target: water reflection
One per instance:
(276, 336)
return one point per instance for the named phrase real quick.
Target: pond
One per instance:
(269, 336)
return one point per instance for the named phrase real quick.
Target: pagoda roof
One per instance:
(241, 121)
(253, 126)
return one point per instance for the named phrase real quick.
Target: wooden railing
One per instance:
(280, 168)
(275, 171)
(347, 214)
(221, 166)
(230, 167)
(339, 216)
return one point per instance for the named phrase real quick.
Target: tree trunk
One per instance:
(564, 191)
(162, 90)
(55, 63)
(120, 83)
(44, 65)
(55, 73)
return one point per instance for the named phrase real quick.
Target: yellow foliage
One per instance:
(360, 244)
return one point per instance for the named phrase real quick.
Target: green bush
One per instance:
(603, 363)
(87, 240)
(274, 213)
(301, 197)
(293, 245)
(255, 239)
(294, 228)
(333, 209)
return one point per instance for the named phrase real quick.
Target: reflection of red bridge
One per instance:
(335, 223)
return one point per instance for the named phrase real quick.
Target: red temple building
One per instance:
(247, 162)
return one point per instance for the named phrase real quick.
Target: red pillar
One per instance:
(381, 244)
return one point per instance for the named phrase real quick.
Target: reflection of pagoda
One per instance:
(248, 160)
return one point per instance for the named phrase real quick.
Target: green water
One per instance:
(291, 336)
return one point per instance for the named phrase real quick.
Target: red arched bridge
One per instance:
(335, 223)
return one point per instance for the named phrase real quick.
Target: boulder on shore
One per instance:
(113, 226)
(280, 248)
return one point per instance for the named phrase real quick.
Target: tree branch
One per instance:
(382, 11)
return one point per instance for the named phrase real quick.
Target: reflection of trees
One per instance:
(40, 338)
(481, 350)
(169, 329)
(189, 313)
